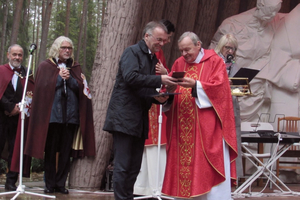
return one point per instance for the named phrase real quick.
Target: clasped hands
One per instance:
(14, 112)
(64, 73)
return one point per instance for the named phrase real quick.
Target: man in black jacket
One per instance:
(11, 91)
(127, 114)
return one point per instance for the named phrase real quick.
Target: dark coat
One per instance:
(65, 108)
(131, 97)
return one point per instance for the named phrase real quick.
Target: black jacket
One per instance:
(65, 107)
(11, 97)
(131, 97)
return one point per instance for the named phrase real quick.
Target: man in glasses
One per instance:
(127, 113)
(61, 107)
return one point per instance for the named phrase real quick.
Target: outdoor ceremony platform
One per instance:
(36, 185)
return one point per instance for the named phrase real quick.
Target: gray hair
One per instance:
(195, 39)
(54, 50)
(151, 26)
(14, 45)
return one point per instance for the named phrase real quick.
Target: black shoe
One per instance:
(62, 190)
(10, 187)
(48, 190)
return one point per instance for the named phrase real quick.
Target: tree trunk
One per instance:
(67, 25)
(16, 22)
(81, 29)
(116, 35)
(3, 37)
(83, 64)
(45, 28)
(37, 33)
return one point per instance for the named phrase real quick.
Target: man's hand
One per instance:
(15, 111)
(160, 69)
(64, 73)
(162, 99)
(168, 80)
(171, 88)
(187, 82)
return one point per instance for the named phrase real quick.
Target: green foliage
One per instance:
(29, 28)
(37, 165)
(3, 166)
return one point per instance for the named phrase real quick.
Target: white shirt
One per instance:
(61, 65)
(202, 99)
(14, 79)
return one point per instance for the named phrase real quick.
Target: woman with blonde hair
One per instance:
(226, 49)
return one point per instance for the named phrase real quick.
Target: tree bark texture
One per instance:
(16, 23)
(3, 36)
(116, 34)
(45, 28)
(67, 25)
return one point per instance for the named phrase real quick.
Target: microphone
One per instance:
(65, 84)
(32, 48)
(229, 58)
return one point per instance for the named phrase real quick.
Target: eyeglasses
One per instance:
(229, 48)
(159, 39)
(65, 48)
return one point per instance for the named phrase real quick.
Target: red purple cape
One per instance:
(45, 82)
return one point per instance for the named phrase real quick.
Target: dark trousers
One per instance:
(128, 152)
(8, 130)
(59, 139)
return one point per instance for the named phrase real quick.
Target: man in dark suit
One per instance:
(11, 91)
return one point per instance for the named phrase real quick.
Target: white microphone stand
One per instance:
(157, 191)
(21, 188)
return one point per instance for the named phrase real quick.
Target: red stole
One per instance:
(195, 161)
(154, 114)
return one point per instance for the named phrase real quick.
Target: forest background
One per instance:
(100, 31)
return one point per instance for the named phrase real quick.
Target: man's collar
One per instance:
(12, 66)
(199, 57)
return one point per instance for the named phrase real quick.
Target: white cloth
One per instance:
(223, 190)
(146, 183)
(202, 99)
(14, 79)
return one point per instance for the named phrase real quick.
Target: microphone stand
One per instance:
(157, 192)
(21, 188)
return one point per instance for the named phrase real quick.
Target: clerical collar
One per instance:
(199, 57)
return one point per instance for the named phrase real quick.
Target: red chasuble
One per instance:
(195, 161)
(154, 114)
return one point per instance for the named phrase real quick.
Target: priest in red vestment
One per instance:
(202, 146)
